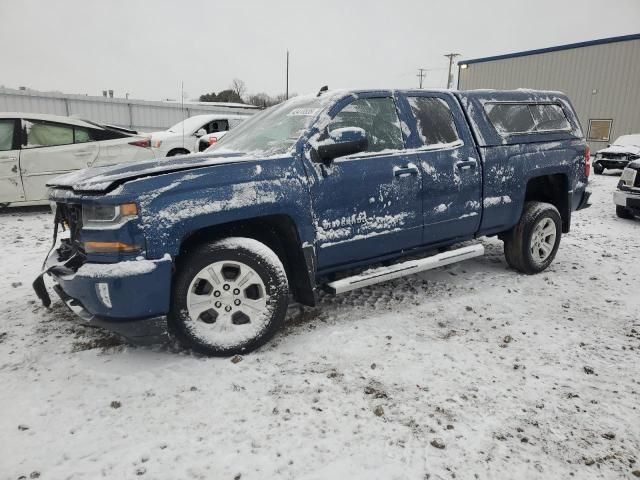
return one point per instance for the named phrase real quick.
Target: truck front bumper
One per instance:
(628, 200)
(612, 163)
(130, 298)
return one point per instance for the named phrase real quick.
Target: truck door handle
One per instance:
(14, 169)
(405, 171)
(467, 164)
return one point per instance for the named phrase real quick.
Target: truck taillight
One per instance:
(212, 140)
(145, 143)
(587, 161)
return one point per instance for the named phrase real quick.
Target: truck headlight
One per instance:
(598, 156)
(104, 216)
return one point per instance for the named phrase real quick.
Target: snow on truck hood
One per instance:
(102, 179)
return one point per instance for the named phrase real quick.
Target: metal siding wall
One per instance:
(612, 69)
(137, 114)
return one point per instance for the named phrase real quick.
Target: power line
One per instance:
(451, 56)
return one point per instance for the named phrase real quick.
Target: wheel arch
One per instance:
(278, 232)
(178, 151)
(553, 189)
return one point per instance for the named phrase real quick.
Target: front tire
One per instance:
(598, 168)
(229, 297)
(532, 244)
(622, 212)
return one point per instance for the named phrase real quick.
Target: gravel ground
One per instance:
(470, 371)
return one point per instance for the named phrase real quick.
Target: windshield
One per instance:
(273, 131)
(626, 140)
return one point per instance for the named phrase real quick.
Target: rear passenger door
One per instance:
(451, 169)
(10, 181)
(50, 149)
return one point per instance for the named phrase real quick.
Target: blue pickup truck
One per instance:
(322, 191)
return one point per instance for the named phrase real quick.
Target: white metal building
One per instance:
(601, 77)
(142, 115)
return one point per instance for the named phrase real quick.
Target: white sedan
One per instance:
(183, 138)
(35, 148)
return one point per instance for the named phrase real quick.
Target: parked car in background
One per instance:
(34, 148)
(617, 155)
(183, 138)
(303, 194)
(627, 196)
(209, 140)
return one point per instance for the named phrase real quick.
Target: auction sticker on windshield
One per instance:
(305, 112)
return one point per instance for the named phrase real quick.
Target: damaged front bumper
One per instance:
(130, 298)
(627, 199)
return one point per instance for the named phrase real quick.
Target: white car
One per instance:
(183, 137)
(35, 148)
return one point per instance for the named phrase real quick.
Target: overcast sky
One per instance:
(147, 48)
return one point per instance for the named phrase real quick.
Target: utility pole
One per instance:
(287, 90)
(451, 56)
(421, 74)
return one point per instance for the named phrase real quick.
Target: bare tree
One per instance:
(239, 87)
(263, 100)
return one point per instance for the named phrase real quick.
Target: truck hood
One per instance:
(621, 149)
(103, 179)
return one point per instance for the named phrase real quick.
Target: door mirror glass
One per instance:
(342, 142)
(201, 133)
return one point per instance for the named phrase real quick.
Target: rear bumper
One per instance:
(584, 201)
(130, 298)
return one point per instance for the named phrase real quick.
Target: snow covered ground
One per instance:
(471, 371)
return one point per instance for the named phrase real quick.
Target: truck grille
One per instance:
(70, 215)
(614, 156)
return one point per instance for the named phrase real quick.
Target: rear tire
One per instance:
(598, 168)
(623, 213)
(531, 245)
(228, 297)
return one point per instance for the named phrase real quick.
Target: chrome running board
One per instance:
(410, 267)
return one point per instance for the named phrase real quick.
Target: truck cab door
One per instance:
(10, 182)
(451, 168)
(368, 204)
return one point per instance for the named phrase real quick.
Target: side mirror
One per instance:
(342, 142)
(201, 133)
